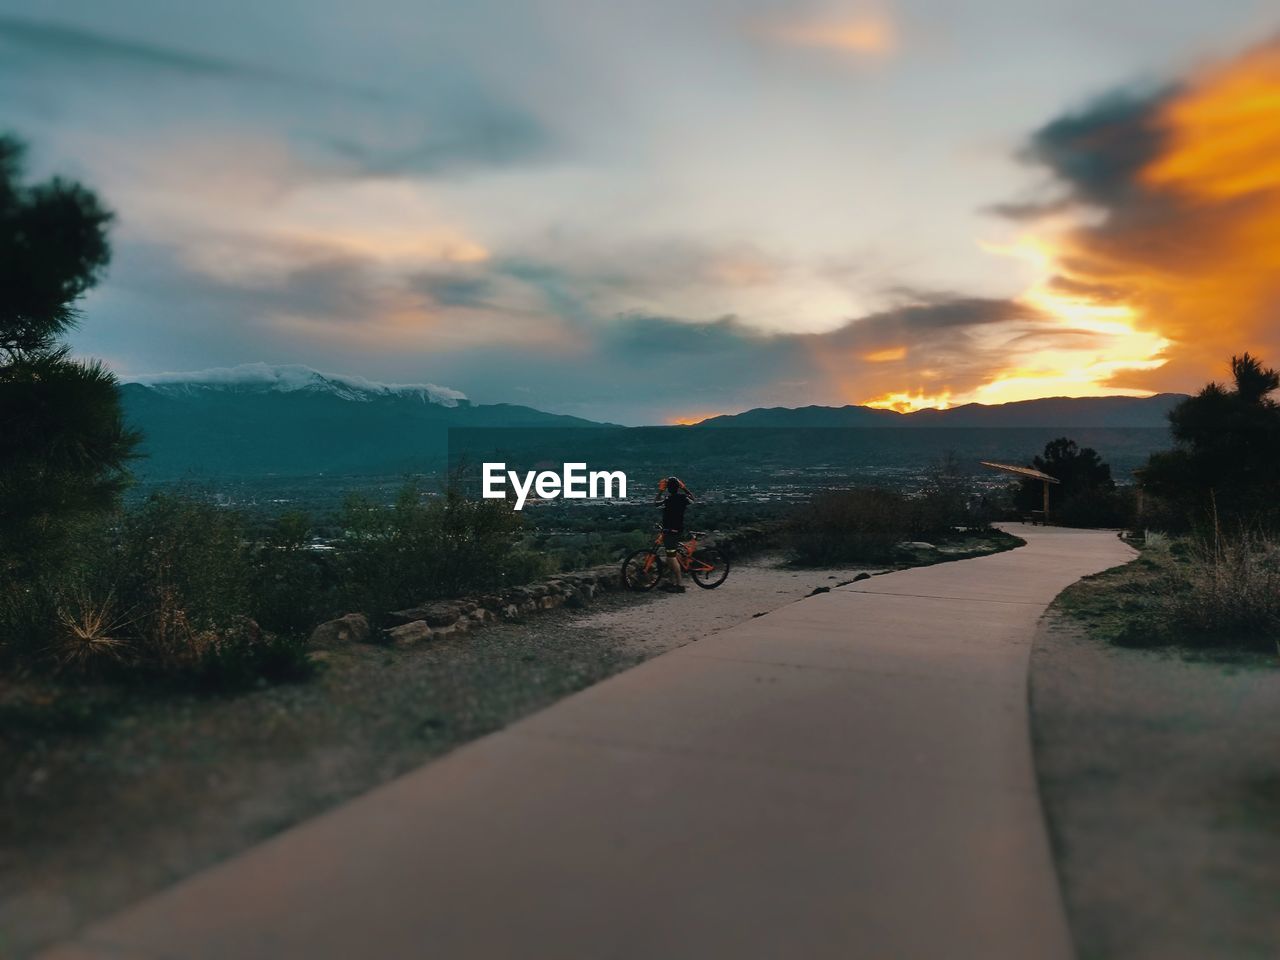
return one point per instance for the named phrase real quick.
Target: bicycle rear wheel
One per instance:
(709, 567)
(642, 570)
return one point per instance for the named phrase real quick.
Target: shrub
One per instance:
(943, 503)
(837, 526)
(1229, 594)
(423, 548)
(158, 591)
(1097, 507)
(293, 587)
(1214, 592)
(183, 571)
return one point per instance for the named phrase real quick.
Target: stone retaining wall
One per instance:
(437, 620)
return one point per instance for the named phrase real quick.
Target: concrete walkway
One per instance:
(849, 776)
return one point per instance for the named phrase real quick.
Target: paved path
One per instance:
(849, 776)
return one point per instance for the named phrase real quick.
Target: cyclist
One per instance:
(673, 496)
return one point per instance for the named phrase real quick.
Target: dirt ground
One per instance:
(144, 791)
(1160, 774)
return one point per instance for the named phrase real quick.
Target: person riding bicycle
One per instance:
(673, 496)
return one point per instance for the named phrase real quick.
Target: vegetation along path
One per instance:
(852, 771)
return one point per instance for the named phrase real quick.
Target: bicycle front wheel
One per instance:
(641, 570)
(709, 568)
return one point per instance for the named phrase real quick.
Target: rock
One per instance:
(436, 614)
(861, 576)
(441, 614)
(410, 634)
(579, 598)
(353, 628)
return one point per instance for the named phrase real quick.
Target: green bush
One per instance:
(162, 590)
(424, 547)
(839, 526)
(1228, 594)
(294, 586)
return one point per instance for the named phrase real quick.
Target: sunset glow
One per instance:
(784, 214)
(887, 355)
(908, 402)
(1181, 273)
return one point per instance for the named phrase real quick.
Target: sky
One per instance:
(663, 211)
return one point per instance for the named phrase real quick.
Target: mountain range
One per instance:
(1053, 412)
(290, 420)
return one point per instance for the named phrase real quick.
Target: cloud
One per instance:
(456, 290)
(86, 49)
(866, 33)
(450, 124)
(476, 133)
(1098, 152)
(654, 367)
(1178, 192)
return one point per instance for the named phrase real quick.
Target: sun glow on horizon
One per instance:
(689, 419)
(1088, 342)
(1161, 283)
(910, 403)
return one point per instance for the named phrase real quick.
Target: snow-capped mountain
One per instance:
(291, 420)
(292, 378)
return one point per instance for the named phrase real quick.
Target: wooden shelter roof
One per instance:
(1021, 471)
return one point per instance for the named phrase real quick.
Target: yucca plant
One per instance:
(91, 634)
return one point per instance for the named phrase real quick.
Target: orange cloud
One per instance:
(1187, 252)
(865, 34)
(887, 355)
(1162, 261)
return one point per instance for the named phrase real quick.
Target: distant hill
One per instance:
(1049, 412)
(290, 420)
(261, 421)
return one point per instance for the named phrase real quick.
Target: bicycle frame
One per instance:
(684, 553)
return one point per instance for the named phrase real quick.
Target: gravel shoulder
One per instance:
(146, 791)
(1160, 775)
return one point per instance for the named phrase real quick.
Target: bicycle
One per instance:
(708, 567)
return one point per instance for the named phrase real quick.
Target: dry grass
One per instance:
(90, 633)
(1231, 590)
(1217, 593)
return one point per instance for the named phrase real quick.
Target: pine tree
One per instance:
(1226, 461)
(64, 445)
